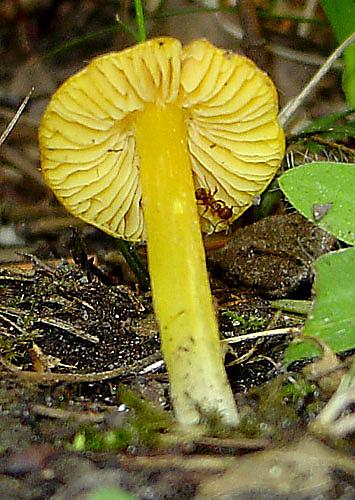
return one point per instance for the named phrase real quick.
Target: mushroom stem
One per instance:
(181, 292)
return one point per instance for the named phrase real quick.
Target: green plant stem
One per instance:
(293, 306)
(129, 252)
(140, 21)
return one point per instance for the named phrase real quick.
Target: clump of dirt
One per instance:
(274, 255)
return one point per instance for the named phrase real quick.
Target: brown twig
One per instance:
(59, 413)
(73, 378)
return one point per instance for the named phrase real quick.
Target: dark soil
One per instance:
(73, 348)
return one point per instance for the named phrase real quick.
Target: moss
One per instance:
(298, 390)
(283, 404)
(245, 324)
(140, 427)
(214, 425)
(93, 439)
(15, 346)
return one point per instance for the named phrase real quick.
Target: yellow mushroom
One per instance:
(126, 142)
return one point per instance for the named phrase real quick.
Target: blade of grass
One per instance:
(140, 20)
(135, 263)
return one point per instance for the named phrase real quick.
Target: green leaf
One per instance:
(349, 74)
(329, 123)
(341, 16)
(332, 319)
(324, 187)
(107, 493)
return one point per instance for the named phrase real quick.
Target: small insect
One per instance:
(217, 207)
(205, 196)
(320, 210)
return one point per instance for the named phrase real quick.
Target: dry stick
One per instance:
(15, 119)
(59, 413)
(69, 329)
(13, 325)
(290, 109)
(266, 333)
(54, 378)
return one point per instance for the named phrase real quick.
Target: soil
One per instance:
(84, 395)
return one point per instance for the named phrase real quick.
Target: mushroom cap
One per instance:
(87, 133)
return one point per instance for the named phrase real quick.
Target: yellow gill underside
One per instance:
(87, 133)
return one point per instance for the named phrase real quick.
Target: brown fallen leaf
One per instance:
(303, 469)
(44, 362)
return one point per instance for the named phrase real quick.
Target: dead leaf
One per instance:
(304, 468)
(43, 362)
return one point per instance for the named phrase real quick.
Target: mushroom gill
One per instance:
(87, 134)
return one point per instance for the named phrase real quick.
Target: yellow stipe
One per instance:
(181, 291)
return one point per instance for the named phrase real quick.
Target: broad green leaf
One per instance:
(324, 192)
(332, 318)
(341, 16)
